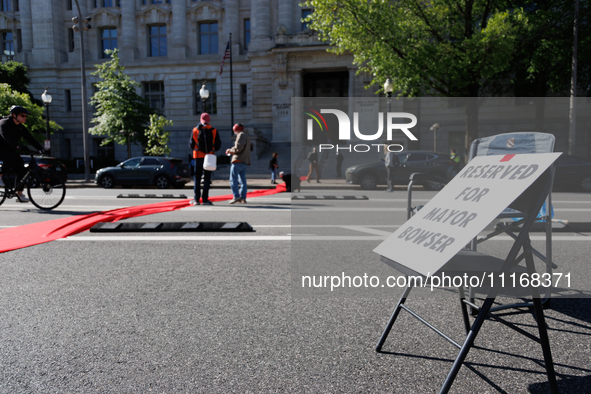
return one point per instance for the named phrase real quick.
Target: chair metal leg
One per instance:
(467, 345)
(464, 309)
(393, 318)
(541, 321)
(545, 342)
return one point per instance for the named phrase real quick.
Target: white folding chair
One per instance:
(471, 262)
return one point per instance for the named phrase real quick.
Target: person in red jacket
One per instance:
(204, 139)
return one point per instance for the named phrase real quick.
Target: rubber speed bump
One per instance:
(161, 227)
(329, 198)
(150, 196)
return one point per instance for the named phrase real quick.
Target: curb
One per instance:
(162, 227)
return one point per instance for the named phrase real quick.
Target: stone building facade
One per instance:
(170, 47)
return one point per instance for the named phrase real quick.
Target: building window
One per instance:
(104, 3)
(71, 41)
(107, 150)
(243, 96)
(154, 94)
(108, 40)
(69, 5)
(19, 40)
(246, 34)
(8, 45)
(144, 2)
(68, 99)
(157, 40)
(211, 102)
(6, 6)
(208, 38)
(305, 14)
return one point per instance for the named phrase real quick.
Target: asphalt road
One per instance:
(225, 312)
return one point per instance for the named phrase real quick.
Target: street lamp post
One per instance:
(85, 144)
(204, 94)
(389, 88)
(434, 130)
(46, 97)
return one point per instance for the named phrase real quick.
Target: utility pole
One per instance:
(85, 26)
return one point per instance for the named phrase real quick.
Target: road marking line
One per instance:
(178, 238)
(292, 237)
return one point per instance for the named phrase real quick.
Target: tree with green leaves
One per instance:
(121, 114)
(157, 144)
(15, 74)
(447, 48)
(35, 120)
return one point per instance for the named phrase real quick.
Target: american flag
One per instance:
(226, 56)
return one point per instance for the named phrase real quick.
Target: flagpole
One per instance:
(231, 90)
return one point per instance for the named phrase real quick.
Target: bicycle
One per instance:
(45, 188)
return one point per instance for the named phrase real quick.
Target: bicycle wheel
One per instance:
(2, 194)
(46, 189)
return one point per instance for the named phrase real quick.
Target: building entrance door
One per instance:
(326, 84)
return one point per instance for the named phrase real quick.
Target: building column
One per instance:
(26, 28)
(297, 127)
(45, 43)
(179, 29)
(286, 15)
(352, 72)
(232, 24)
(260, 13)
(128, 51)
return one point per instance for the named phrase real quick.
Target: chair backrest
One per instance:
(515, 143)
(511, 143)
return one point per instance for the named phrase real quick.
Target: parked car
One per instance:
(161, 172)
(573, 173)
(370, 175)
(48, 163)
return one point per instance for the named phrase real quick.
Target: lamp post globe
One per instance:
(389, 88)
(204, 94)
(46, 98)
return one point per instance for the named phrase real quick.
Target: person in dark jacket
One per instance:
(286, 177)
(339, 164)
(273, 166)
(12, 131)
(313, 159)
(204, 139)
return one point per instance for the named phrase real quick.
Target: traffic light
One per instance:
(86, 23)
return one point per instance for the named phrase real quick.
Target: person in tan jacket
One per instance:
(240, 159)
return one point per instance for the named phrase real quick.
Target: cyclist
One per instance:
(12, 130)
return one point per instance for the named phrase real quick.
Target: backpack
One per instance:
(204, 140)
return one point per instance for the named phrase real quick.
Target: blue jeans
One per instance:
(238, 175)
(273, 174)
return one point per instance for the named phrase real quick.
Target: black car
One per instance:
(370, 175)
(50, 163)
(161, 172)
(573, 173)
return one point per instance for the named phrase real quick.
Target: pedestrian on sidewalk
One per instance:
(204, 139)
(273, 167)
(391, 162)
(240, 159)
(313, 159)
(339, 163)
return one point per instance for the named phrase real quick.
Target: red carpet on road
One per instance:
(38, 233)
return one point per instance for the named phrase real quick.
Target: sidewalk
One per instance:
(255, 181)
